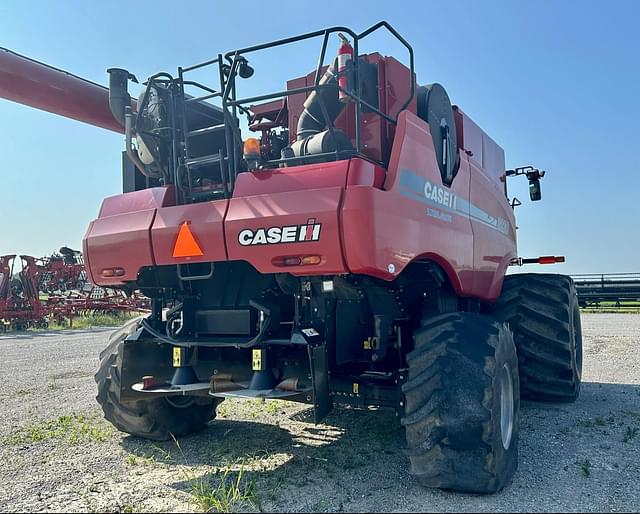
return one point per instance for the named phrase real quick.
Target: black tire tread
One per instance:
(447, 449)
(153, 419)
(538, 308)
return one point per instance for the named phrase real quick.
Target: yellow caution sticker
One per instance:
(177, 357)
(256, 364)
(356, 388)
(367, 343)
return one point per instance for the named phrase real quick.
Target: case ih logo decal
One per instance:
(443, 204)
(277, 235)
(439, 195)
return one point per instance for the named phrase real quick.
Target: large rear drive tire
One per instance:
(158, 418)
(462, 404)
(543, 313)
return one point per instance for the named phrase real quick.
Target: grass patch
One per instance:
(630, 434)
(232, 492)
(585, 468)
(74, 428)
(140, 460)
(598, 421)
(273, 406)
(96, 320)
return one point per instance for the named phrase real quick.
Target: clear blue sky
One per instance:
(555, 83)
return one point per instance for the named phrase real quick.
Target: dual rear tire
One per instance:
(543, 313)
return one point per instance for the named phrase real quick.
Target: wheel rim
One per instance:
(577, 348)
(506, 406)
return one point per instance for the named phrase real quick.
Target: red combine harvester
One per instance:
(355, 254)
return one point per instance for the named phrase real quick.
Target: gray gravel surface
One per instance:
(58, 454)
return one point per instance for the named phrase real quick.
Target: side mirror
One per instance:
(533, 176)
(534, 190)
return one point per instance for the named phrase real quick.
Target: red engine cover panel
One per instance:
(206, 224)
(385, 230)
(119, 241)
(120, 237)
(265, 229)
(418, 217)
(311, 176)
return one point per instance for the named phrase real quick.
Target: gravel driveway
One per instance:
(58, 454)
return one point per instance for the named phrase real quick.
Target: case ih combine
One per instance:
(354, 253)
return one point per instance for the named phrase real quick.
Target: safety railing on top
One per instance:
(229, 100)
(231, 105)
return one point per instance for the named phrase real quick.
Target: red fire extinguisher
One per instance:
(345, 57)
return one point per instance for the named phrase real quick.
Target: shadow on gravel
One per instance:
(272, 457)
(222, 443)
(53, 333)
(362, 451)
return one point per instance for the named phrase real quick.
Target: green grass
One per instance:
(630, 434)
(96, 320)
(75, 428)
(140, 460)
(610, 307)
(585, 467)
(598, 421)
(232, 492)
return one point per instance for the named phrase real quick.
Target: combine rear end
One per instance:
(353, 253)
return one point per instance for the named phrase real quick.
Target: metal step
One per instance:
(205, 160)
(205, 130)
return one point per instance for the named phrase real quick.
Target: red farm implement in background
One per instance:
(55, 288)
(20, 306)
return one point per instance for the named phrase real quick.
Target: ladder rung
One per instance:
(205, 130)
(203, 161)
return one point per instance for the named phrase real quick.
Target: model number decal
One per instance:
(276, 235)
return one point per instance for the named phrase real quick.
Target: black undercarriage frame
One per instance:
(340, 339)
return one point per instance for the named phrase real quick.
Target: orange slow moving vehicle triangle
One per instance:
(186, 244)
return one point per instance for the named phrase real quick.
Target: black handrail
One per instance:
(233, 58)
(228, 67)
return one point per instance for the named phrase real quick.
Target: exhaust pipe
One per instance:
(311, 120)
(312, 136)
(120, 105)
(119, 98)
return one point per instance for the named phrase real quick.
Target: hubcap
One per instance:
(506, 406)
